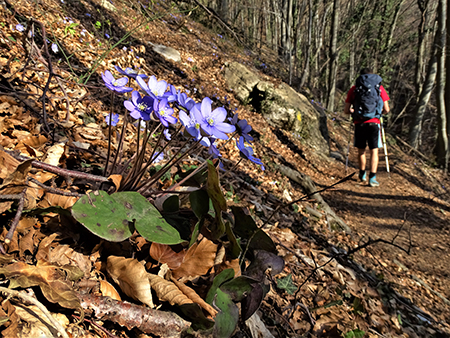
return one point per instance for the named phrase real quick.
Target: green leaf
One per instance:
(287, 284)
(111, 217)
(196, 231)
(195, 314)
(239, 287)
(199, 202)
(214, 190)
(103, 216)
(148, 221)
(355, 334)
(221, 278)
(228, 316)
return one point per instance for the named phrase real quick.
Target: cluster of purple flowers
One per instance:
(156, 102)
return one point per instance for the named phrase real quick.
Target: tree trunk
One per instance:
(418, 81)
(333, 57)
(305, 74)
(419, 111)
(442, 146)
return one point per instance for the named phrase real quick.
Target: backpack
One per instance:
(368, 103)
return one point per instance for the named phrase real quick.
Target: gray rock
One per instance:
(337, 155)
(282, 106)
(168, 53)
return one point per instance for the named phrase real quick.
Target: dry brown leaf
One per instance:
(65, 255)
(29, 145)
(26, 243)
(198, 260)
(38, 325)
(44, 247)
(167, 291)
(132, 278)
(233, 264)
(116, 179)
(163, 253)
(51, 279)
(55, 200)
(26, 224)
(192, 295)
(54, 154)
(8, 164)
(108, 290)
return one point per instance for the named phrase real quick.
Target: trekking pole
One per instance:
(348, 147)
(385, 147)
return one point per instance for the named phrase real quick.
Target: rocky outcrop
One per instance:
(282, 106)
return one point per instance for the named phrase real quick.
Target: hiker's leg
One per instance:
(362, 159)
(373, 160)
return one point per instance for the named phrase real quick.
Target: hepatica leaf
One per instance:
(114, 217)
(101, 214)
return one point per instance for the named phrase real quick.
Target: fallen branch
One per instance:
(150, 321)
(57, 325)
(57, 170)
(310, 188)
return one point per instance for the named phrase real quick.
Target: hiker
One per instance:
(367, 100)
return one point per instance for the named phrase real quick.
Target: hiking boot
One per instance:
(373, 182)
(362, 176)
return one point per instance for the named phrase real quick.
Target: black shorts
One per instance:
(367, 134)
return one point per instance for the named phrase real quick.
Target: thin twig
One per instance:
(57, 170)
(16, 219)
(54, 190)
(101, 328)
(40, 306)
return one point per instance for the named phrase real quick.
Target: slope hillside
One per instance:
(389, 277)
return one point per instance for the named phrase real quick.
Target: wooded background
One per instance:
(321, 45)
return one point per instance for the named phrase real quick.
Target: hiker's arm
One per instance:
(386, 108)
(347, 109)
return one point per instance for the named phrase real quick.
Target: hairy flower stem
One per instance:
(122, 136)
(135, 172)
(109, 134)
(142, 188)
(143, 170)
(199, 167)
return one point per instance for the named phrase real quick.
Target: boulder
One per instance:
(168, 53)
(282, 106)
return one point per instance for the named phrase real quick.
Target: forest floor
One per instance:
(397, 287)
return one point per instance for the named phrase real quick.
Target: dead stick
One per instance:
(16, 219)
(159, 323)
(59, 171)
(54, 190)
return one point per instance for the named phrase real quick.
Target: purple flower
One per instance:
(154, 87)
(191, 124)
(242, 127)
(247, 152)
(163, 112)
(87, 14)
(211, 121)
(139, 107)
(213, 148)
(158, 157)
(167, 134)
(171, 94)
(115, 119)
(54, 48)
(118, 86)
(20, 27)
(107, 35)
(185, 101)
(130, 72)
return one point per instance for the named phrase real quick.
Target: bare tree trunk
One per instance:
(333, 57)
(419, 112)
(388, 43)
(442, 146)
(418, 81)
(305, 74)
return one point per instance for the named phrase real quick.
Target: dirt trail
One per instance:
(404, 207)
